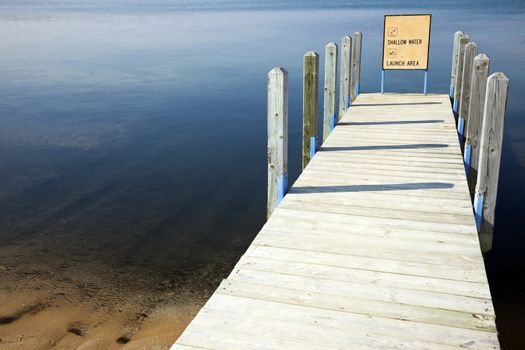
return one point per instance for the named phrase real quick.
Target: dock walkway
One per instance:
(374, 247)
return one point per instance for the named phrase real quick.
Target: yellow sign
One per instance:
(406, 42)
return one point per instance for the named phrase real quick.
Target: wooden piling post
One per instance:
(463, 41)
(356, 65)
(471, 50)
(330, 88)
(455, 55)
(489, 157)
(277, 149)
(478, 88)
(344, 76)
(310, 98)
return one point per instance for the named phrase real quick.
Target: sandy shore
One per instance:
(79, 288)
(52, 303)
(42, 318)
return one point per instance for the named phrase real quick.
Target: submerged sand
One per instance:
(41, 315)
(41, 323)
(70, 301)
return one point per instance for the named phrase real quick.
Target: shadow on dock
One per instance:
(394, 104)
(370, 148)
(399, 122)
(365, 188)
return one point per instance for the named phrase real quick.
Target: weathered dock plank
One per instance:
(374, 247)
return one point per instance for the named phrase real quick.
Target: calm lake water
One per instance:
(133, 133)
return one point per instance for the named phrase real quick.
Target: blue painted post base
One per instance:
(332, 122)
(313, 146)
(282, 187)
(461, 128)
(357, 90)
(466, 158)
(451, 93)
(478, 208)
(347, 102)
(455, 106)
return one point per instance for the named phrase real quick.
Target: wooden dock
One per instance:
(374, 247)
(378, 244)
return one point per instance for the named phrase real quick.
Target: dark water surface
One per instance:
(133, 133)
